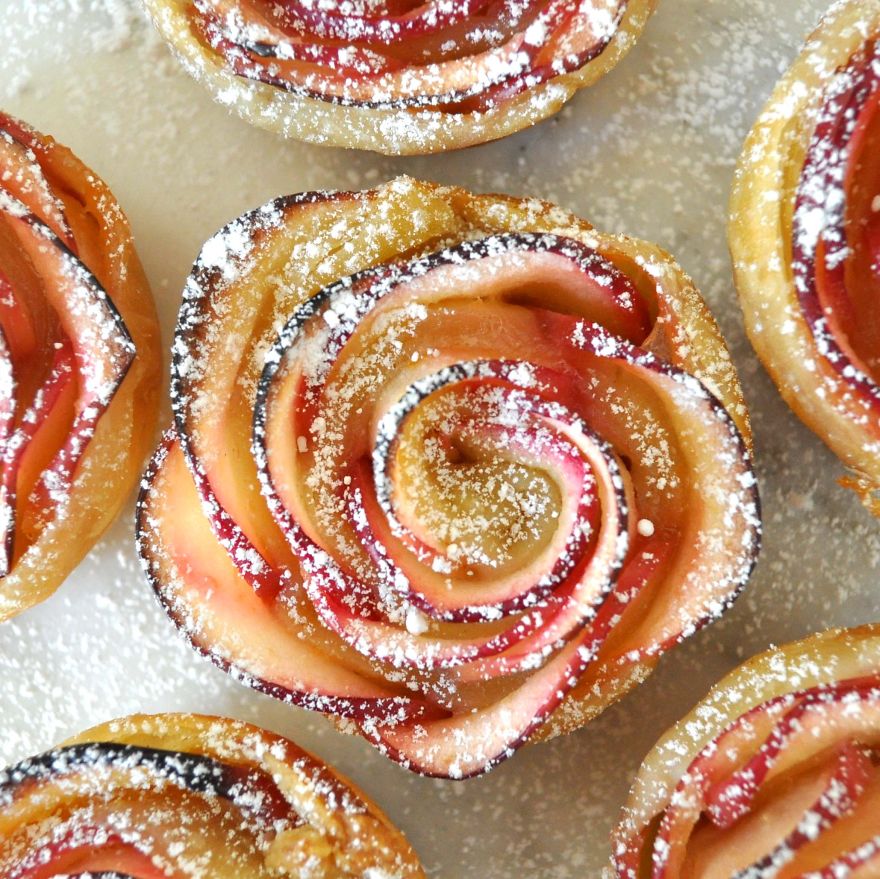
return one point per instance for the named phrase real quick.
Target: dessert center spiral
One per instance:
(477, 481)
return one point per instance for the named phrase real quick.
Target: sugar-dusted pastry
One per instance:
(805, 238)
(79, 363)
(399, 77)
(452, 469)
(188, 796)
(774, 775)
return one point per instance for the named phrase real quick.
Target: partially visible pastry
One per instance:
(399, 77)
(774, 775)
(79, 363)
(453, 469)
(182, 795)
(805, 238)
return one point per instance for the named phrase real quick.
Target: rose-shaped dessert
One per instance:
(78, 354)
(149, 797)
(805, 238)
(453, 469)
(399, 77)
(773, 776)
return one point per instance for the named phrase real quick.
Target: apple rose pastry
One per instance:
(182, 795)
(774, 775)
(453, 469)
(805, 238)
(78, 350)
(403, 76)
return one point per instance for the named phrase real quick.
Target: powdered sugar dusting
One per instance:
(649, 151)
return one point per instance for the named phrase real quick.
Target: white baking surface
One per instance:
(648, 151)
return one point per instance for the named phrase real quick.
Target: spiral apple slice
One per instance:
(225, 619)
(472, 741)
(820, 718)
(786, 806)
(459, 469)
(178, 795)
(315, 338)
(788, 788)
(301, 369)
(296, 238)
(384, 640)
(845, 784)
